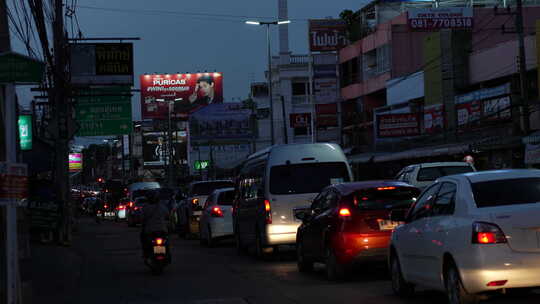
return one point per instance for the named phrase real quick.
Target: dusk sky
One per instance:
(208, 35)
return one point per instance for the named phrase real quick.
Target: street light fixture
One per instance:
(270, 97)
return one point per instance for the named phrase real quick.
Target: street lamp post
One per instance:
(270, 96)
(170, 149)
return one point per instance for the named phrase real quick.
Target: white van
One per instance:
(274, 182)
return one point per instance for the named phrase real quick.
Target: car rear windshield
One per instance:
(226, 198)
(388, 197)
(141, 193)
(207, 188)
(306, 178)
(432, 173)
(506, 192)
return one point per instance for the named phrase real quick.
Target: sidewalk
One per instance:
(56, 273)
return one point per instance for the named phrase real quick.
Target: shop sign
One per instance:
(433, 118)
(441, 18)
(13, 182)
(397, 125)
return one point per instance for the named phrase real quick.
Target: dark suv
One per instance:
(349, 223)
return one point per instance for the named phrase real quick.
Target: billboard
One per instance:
(156, 148)
(440, 18)
(101, 63)
(487, 104)
(397, 125)
(75, 162)
(326, 35)
(188, 92)
(219, 156)
(220, 121)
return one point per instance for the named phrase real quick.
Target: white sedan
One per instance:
(470, 234)
(216, 218)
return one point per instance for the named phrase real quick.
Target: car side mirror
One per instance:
(302, 214)
(398, 215)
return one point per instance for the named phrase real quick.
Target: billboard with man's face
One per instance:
(188, 92)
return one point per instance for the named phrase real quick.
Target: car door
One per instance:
(412, 239)
(205, 216)
(322, 223)
(308, 233)
(438, 225)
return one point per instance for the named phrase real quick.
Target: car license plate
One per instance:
(159, 249)
(387, 225)
(197, 213)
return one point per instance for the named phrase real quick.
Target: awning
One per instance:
(424, 152)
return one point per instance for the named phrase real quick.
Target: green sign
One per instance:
(25, 132)
(201, 164)
(17, 68)
(104, 111)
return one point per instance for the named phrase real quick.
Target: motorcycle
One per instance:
(158, 254)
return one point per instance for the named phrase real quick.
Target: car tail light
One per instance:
(216, 212)
(386, 188)
(136, 208)
(496, 283)
(106, 206)
(159, 241)
(121, 207)
(268, 210)
(130, 204)
(486, 233)
(344, 213)
(195, 201)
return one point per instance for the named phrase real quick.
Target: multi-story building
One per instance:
(414, 95)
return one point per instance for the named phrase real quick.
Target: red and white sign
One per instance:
(326, 35)
(468, 113)
(300, 120)
(433, 118)
(497, 109)
(13, 182)
(397, 125)
(188, 92)
(441, 18)
(326, 115)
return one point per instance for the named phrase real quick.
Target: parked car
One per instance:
(422, 175)
(190, 209)
(273, 182)
(350, 223)
(216, 218)
(134, 214)
(469, 234)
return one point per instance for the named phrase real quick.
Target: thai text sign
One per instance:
(327, 35)
(13, 182)
(101, 63)
(396, 125)
(441, 18)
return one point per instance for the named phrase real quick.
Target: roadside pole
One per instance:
(10, 210)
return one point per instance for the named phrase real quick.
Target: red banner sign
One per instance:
(441, 18)
(433, 118)
(13, 182)
(468, 114)
(188, 92)
(397, 125)
(326, 115)
(327, 35)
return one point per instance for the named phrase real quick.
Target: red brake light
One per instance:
(106, 206)
(344, 212)
(130, 204)
(121, 207)
(159, 241)
(386, 188)
(216, 212)
(497, 283)
(486, 233)
(268, 210)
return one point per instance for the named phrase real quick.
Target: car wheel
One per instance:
(455, 291)
(304, 265)
(260, 250)
(335, 271)
(209, 239)
(399, 285)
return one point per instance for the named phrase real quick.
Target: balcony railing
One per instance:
(300, 99)
(299, 59)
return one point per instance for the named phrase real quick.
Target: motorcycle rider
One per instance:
(155, 217)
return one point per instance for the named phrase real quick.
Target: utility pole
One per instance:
(61, 117)
(286, 137)
(270, 96)
(522, 68)
(170, 147)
